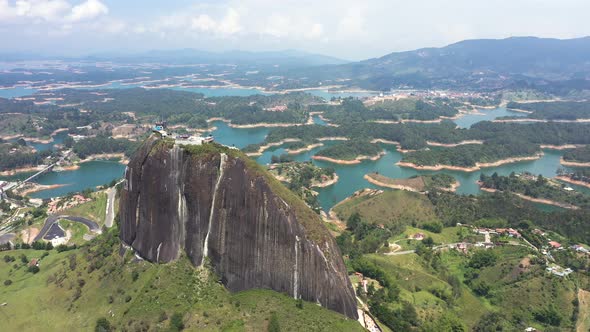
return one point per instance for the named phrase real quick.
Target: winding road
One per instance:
(53, 219)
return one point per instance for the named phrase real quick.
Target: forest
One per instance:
(555, 110)
(535, 187)
(353, 110)
(104, 144)
(349, 150)
(13, 156)
(581, 155)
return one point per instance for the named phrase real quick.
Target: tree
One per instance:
(353, 221)
(273, 325)
(103, 325)
(482, 258)
(33, 269)
(429, 242)
(176, 322)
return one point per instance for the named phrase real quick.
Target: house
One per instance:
(579, 248)
(513, 233)
(418, 236)
(538, 231)
(568, 189)
(462, 247)
(554, 244)
(34, 262)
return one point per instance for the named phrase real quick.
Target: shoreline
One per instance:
(569, 180)
(453, 145)
(398, 146)
(388, 185)
(367, 177)
(477, 167)
(103, 156)
(534, 200)
(267, 146)
(259, 125)
(305, 149)
(540, 120)
(573, 163)
(40, 187)
(328, 183)
(16, 171)
(354, 161)
(561, 147)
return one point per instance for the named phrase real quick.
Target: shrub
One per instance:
(33, 269)
(103, 325)
(176, 322)
(7, 282)
(299, 304)
(273, 325)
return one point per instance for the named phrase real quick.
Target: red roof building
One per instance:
(554, 244)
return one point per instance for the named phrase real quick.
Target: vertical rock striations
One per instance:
(215, 204)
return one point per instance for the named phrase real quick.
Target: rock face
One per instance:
(215, 204)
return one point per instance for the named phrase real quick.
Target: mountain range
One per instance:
(480, 63)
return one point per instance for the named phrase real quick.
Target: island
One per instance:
(350, 152)
(302, 177)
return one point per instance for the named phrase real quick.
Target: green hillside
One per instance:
(73, 289)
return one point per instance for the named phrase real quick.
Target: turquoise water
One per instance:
(57, 139)
(16, 92)
(97, 173)
(89, 175)
(317, 120)
(468, 120)
(351, 176)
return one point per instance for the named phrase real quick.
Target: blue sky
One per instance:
(349, 29)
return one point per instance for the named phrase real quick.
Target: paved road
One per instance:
(110, 215)
(53, 219)
(6, 237)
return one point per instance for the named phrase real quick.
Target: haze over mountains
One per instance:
(486, 63)
(550, 65)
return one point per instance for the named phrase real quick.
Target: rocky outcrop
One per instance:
(217, 205)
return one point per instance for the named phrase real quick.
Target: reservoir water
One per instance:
(95, 173)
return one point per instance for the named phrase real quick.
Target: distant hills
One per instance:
(481, 63)
(284, 58)
(556, 66)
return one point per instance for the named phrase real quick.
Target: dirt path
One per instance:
(583, 323)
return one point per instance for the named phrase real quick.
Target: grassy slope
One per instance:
(389, 207)
(36, 302)
(94, 210)
(514, 293)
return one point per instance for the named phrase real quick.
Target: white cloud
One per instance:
(50, 11)
(88, 10)
(347, 28)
